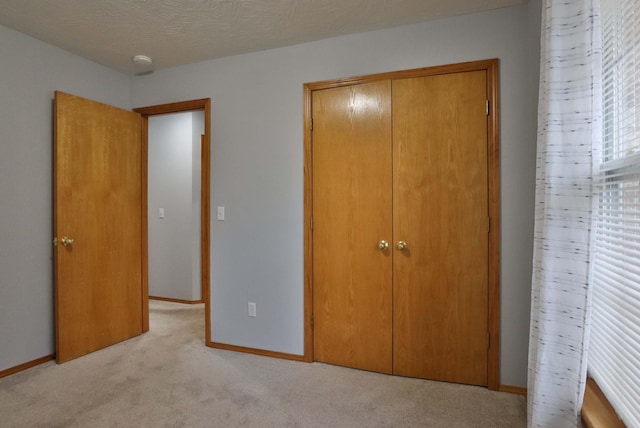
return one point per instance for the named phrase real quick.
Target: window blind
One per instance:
(614, 355)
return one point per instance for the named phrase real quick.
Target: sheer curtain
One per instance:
(569, 137)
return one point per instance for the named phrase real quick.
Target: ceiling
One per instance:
(175, 32)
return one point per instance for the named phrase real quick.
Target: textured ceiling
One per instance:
(175, 32)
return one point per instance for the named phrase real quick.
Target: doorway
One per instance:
(174, 195)
(201, 105)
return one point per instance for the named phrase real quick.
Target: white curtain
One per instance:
(569, 137)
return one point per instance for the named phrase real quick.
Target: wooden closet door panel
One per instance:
(352, 277)
(441, 211)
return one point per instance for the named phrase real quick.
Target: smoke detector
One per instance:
(142, 60)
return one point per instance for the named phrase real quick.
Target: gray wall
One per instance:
(197, 131)
(173, 172)
(30, 72)
(257, 175)
(257, 160)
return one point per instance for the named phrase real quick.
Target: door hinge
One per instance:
(488, 341)
(487, 107)
(311, 223)
(488, 224)
(311, 129)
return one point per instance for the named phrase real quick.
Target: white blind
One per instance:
(614, 355)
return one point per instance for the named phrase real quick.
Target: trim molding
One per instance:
(597, 412)
(25, 366)
(519, 390)
(255, 351)
(169, 299)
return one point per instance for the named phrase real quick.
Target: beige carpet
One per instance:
(168, 378)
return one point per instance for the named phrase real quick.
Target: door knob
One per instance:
(383, 245)
(66, 241)
(401, 245)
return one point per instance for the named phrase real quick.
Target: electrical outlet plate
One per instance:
(252, 309)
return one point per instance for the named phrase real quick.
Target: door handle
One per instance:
(66, 241)
(383, 245)
(401, 245)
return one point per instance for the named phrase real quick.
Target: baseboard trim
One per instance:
(169, 299)
(25, 366)
(519, 390)
(261, 352)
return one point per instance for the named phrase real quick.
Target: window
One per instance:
(614, 355)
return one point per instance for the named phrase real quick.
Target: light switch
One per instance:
(160, 212)
(220, 213)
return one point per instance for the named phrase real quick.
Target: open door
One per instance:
(98, 225)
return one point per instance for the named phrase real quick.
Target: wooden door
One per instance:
(352, 277)
(441, 211)
(98, 205)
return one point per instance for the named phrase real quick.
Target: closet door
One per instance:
(440, 210)
(352, 275)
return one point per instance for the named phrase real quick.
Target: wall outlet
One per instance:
(252, 309)
(160, 212)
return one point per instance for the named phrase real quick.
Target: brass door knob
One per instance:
(383, 245)
(401, 245)
(66, 241)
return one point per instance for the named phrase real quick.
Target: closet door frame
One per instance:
(491, 66)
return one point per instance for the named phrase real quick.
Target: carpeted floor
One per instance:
(168, 378)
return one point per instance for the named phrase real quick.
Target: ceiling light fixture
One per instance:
(142, 60)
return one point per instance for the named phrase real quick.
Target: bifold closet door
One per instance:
(402, 163)
(440, 210)
(352, 201)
